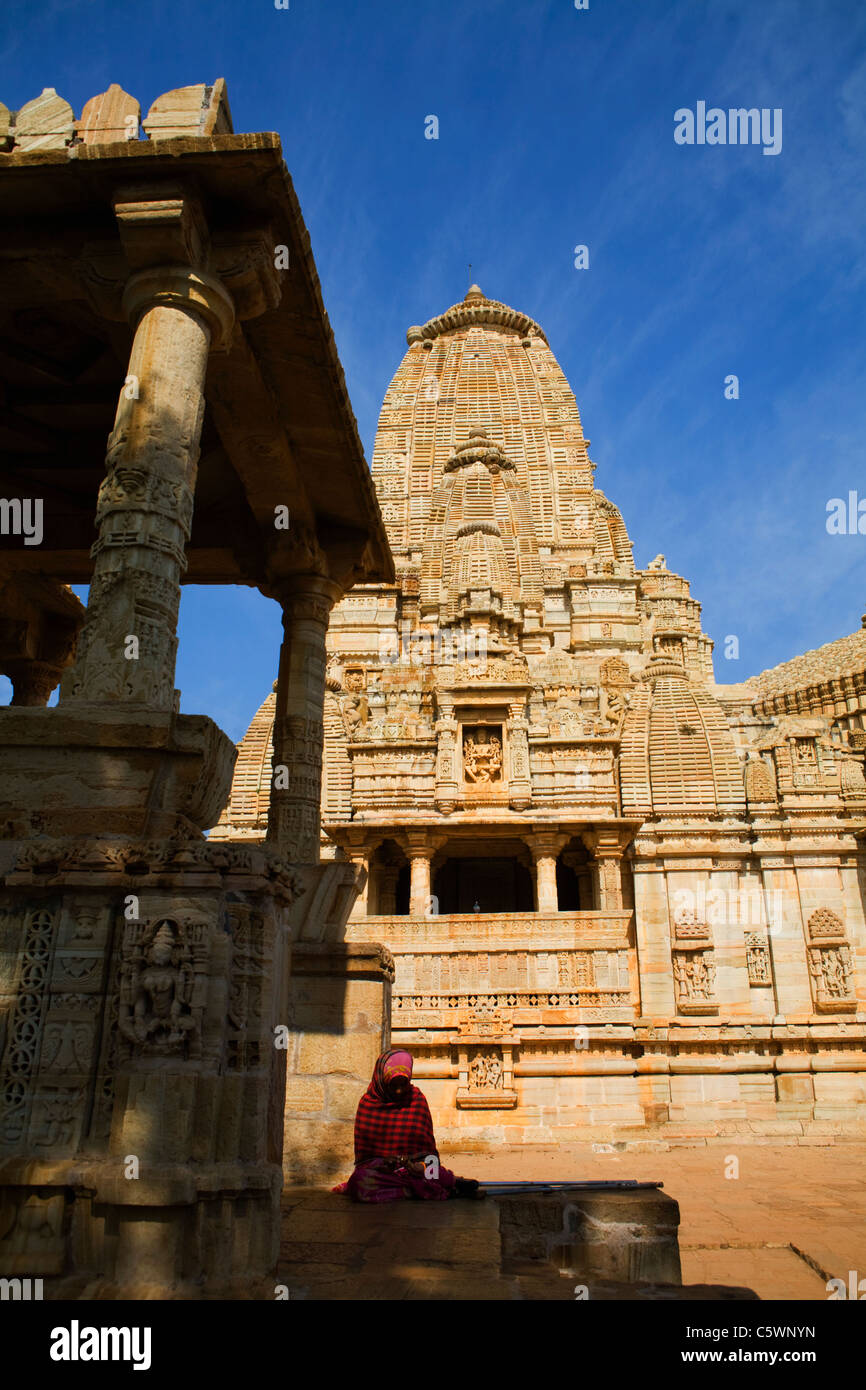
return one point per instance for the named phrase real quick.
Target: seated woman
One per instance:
(393, 1137)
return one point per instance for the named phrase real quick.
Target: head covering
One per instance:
(385, 1125)
(398, 1064)
(394, 1062)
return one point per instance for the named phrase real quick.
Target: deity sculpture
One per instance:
(156, 998)
(482, 757)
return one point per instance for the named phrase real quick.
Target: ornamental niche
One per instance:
(693, 965)
(830, 965)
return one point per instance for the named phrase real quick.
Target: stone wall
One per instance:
(339, 1022)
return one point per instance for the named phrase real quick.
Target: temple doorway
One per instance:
(484, 883)
(574, 878)
(388, 891)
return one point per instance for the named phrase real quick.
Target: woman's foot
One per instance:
(468, 1187)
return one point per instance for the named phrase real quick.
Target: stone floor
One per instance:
(793, 1218)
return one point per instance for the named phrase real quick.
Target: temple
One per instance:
(623, 900)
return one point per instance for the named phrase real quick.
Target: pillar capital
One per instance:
(307, 597)
(545, 844)
(420, 844)
(181, 287)
(608, 842)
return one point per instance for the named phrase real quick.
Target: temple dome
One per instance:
(483, 366)
(678, 755)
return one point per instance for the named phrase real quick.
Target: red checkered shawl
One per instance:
(387, 1129)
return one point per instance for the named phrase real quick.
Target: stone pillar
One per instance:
(340, 1020)
(609, 879)
(420, 854)
(544, 849)
(296, 784)
(360, 853)
(389, 873)
(607, 845)
(520, 782)
(447, 790)
(653, 934)
(128, 646)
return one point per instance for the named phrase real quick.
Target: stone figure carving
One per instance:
(334, 675)
(613, 705)
(156, 993)
(657, 564)
(482, 757)
(356, 715)
(485, 1071)
(694, 973)
(830, 967)
(757, 958)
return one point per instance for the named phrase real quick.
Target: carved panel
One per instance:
(21, 1053)
(758, 958)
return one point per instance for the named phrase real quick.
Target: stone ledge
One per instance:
(370, 961)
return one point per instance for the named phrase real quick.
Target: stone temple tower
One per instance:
(619, 896)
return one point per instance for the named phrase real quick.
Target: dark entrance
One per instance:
(496, 885)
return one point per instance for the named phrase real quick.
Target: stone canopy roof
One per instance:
(279, 429)
(844, 657)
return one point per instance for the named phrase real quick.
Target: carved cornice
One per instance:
(474, 311)
(144, 862)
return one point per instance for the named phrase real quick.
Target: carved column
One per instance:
(420, 851)
(128, 646)
(446, 774)
(545, 848)
(607, 848)
(388, 875)
(361, 858)
(296, 783)
(520, 782)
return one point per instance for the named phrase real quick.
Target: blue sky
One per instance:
(556, 129)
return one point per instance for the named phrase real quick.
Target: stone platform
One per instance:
(619, 1244)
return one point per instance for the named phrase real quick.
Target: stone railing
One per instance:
(482, 931)
(445, 1002)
